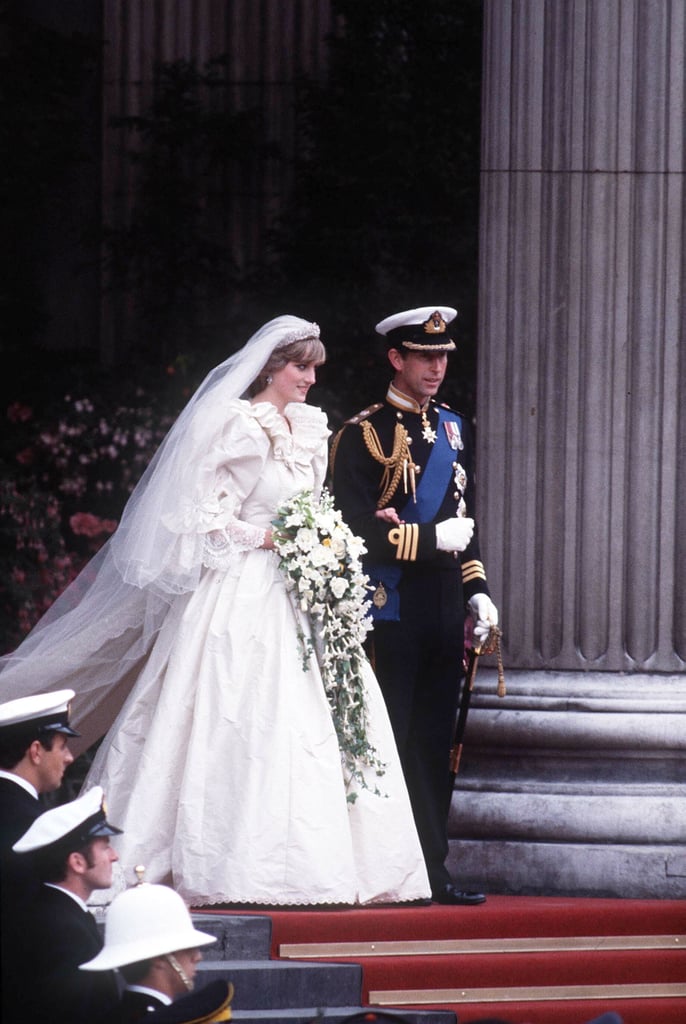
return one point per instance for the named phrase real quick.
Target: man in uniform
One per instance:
(151, 940)
(34, 755)
(70, 849)
(402, 477)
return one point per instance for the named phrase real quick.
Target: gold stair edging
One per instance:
(444, 947)
(543, 993)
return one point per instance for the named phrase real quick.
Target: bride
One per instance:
(222, 765)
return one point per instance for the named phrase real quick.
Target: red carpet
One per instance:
(494, 961)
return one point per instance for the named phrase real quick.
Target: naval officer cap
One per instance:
(70, 826)
(424, 329)
(36, 716)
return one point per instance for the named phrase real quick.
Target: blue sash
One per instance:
(433, 482)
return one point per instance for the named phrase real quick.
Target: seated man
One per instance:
(69, 847)
(151, 940)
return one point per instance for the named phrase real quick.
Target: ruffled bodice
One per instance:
(233, 500)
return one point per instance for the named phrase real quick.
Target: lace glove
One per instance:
(484, 613)
(221, 546)
(454, 534)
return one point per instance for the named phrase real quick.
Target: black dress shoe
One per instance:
(450, 894)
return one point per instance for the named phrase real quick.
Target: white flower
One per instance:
(323, 556)
(338, 544)
(319, 557)
(306, 539)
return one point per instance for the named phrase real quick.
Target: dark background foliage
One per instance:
(385, 208)
(383, 215)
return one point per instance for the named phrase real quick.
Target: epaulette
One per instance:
(444, 405)
(365, 414)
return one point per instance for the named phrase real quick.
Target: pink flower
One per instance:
(86, 524)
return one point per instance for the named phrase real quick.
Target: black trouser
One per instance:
(418, 662)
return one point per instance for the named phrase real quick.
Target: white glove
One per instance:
(484, 613)
(454, 534)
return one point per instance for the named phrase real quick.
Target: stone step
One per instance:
(239, 936)
(338, 1014)
(276, 984)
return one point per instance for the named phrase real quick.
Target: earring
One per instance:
(269, 378)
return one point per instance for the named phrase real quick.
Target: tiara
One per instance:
(300, 334)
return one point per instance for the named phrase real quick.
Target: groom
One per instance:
(402, 477)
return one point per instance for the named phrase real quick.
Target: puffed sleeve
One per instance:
(225, 475)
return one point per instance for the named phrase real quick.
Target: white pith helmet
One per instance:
(145, 921)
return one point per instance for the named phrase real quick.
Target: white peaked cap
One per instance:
(46, 712)
(425, 328)
(414, 318)
(146, 921)
(72, 823)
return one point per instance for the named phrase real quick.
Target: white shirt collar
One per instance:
(150, 992)
(77, 899)
(20, 782)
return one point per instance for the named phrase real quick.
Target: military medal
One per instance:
(380, 596)
(428, 433)
(452, 430)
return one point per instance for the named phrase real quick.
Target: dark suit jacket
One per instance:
(58, 936)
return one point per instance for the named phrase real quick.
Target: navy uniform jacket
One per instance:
(204, 1006)
(18, 883)
(368, 473)
(136, 1006)
(60, 935)
(18, 811)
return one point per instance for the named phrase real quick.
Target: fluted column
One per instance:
(575, 781)
(581, 422)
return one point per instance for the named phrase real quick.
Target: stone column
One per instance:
(575, 781)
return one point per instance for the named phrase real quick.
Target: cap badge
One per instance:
(435, 324)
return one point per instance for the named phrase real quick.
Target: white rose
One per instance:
(307, 539)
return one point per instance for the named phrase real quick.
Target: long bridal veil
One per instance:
(96, 635)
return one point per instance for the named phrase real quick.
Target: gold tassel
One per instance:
(492, 646)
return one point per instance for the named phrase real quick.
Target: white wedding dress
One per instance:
(223, 767)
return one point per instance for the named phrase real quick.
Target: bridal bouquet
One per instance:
(320, 559)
